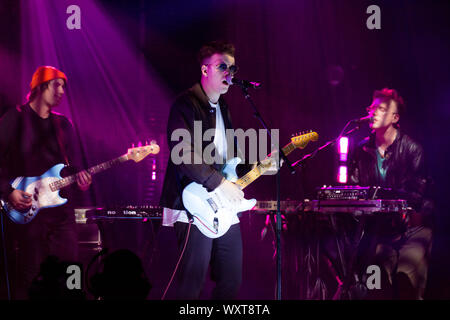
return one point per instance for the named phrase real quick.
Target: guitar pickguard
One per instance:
(212, 212)
(43, 197)
(41, 194)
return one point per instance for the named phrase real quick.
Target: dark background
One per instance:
(319, 65)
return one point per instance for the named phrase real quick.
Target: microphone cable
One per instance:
(179, 259)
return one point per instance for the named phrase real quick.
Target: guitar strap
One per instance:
(59, 135)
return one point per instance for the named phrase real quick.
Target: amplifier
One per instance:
(359, 207)
(89, 239)
(124, 213)
(353, 193)
(286, 206)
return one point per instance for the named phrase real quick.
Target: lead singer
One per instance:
(204, 102)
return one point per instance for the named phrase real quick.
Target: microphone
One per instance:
(368, 118)
(243, 83)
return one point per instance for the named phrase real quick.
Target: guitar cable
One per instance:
(204, 224)
(179, 259)
(5, 258)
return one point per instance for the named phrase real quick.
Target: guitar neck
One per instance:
(64, 182)
(259, 170)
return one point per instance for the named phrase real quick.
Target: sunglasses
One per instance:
(378, 108)
(223, 67)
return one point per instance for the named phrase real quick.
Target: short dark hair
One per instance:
(211, 48)
(33, 93)
(39, 89)
(391, 95)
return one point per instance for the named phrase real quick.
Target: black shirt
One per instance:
(29, 145)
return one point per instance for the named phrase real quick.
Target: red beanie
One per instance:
(44, 74)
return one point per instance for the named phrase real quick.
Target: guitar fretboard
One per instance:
(64, 182)
(260, 169)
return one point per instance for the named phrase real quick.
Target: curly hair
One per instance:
(391, 95)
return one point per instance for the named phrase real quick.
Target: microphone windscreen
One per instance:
(229, 79)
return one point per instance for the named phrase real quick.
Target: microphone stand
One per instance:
(278, 181)
(331, 142)
(311, 155)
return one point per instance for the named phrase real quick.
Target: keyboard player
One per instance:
(390, 158)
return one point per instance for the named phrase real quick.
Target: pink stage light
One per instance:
(343, 148)
(342, 176)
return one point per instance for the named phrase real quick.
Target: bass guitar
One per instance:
(45, 188)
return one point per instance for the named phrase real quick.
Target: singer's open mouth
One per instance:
(225, 82)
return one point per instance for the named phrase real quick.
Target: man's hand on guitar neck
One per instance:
(84, 180)
(20, 200)
(231, 191)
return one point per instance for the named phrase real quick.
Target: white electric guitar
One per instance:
(44, 189)
(212, 211)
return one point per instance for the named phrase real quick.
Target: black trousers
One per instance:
(224, 254)
(52, 232)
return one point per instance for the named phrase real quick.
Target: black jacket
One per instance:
(192, 105)
(404, 164)
(29, 145)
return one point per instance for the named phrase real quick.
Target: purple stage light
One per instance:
(113, 94)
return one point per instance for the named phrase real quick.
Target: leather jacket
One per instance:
(404, 164)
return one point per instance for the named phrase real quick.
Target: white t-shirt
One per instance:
(170, 216)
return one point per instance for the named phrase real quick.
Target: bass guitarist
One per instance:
(33, 138)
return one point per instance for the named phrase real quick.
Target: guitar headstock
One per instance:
(301, 140)
(139, 153)
(266, 163)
